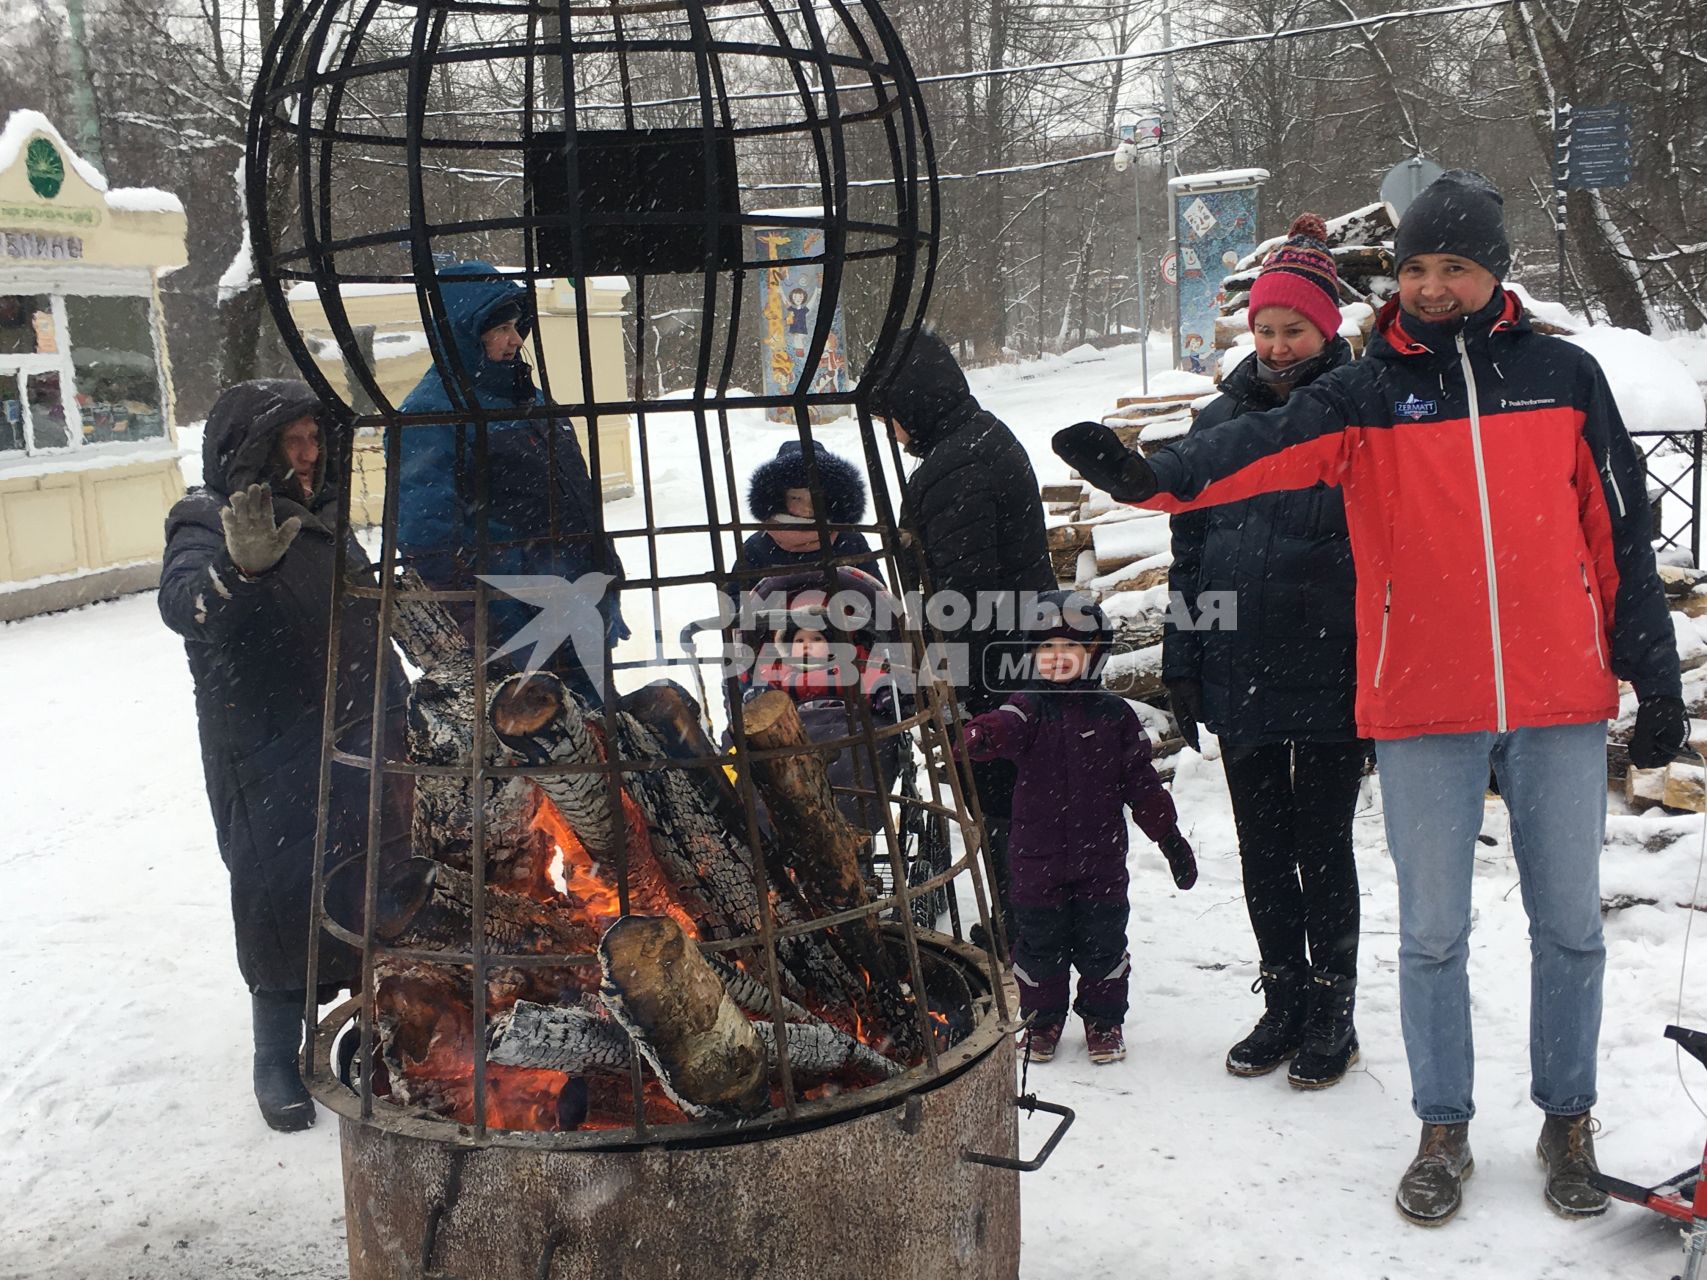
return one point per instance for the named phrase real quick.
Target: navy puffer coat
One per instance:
(1287, 670)
(257, 654)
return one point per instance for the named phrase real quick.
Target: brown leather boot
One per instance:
(1433, 1187)
(1566, 1147)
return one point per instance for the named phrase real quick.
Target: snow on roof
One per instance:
(144, 200)
(1654, 392)
(801, 211)
(1218, 178)
(22, 125)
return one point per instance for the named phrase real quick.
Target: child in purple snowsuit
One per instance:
(1083, 757)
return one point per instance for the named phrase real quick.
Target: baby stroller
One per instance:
(826, 652)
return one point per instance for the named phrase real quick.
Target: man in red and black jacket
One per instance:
(1505, 582)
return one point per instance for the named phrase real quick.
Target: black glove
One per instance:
(1185, 700)
(1095, 452)
(1661, 734)
(1181, 861)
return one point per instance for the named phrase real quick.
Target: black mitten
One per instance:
(1661, 734)
(1095, 452)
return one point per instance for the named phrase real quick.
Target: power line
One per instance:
(1108, 59)
(1031, 68)
(1214, 42)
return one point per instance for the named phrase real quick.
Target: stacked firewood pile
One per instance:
(1678, 786)
(623, 978)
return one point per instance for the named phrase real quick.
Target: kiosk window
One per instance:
(117, 379)
(46, 410)
(11, 414)
(26, 325)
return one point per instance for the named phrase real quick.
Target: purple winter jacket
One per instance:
(1083, 756)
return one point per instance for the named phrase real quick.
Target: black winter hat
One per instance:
(504, 313)
(843, 487)
(1071, 615)
(1459, 212)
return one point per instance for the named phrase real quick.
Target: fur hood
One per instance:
(844, 488)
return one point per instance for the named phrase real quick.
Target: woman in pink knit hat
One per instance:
(1276, 686)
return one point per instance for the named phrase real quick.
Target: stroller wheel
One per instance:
(931, 859)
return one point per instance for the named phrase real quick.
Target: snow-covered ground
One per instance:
(130, 1145)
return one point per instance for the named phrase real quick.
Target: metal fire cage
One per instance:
(644, 139)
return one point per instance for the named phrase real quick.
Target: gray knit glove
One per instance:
(256, 544)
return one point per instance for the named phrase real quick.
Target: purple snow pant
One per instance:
(1087, 934)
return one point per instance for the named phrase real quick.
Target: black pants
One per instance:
(1292, 807)
(1087, 936)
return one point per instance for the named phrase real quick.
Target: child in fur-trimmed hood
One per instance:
(780, 494)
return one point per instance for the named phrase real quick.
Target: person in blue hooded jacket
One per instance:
(543, 509)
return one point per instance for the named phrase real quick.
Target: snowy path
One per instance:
(130, 1145)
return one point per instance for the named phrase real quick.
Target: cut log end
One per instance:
(767, 713)
(526, 704)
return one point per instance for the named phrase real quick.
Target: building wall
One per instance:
(86, 522)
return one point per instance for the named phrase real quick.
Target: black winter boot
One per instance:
(1330, 1042)
(1280, 1030)
(285, 1101)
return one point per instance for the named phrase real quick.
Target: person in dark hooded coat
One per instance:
(247, 582)
(543, 510)
(973, 503)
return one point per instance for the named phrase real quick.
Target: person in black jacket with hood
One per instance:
(974, 505)
(1276, 685)
(247, 582)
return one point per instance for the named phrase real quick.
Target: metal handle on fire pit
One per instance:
(1030, 1102)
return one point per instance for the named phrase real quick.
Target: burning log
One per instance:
(539, 722)
(441, 731)
(702, 1047)
(514, 924)
(558, 1038)
(825, 849)
(577, 1041)
(818, 1049)
(824, 852)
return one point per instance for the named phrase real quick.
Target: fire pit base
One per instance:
(884, 1194)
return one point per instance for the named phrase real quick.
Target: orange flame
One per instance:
(573, 873)
(572, 870)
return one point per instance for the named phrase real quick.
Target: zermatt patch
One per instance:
(1413, 408)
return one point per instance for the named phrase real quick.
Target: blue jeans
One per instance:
(1553, 781)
